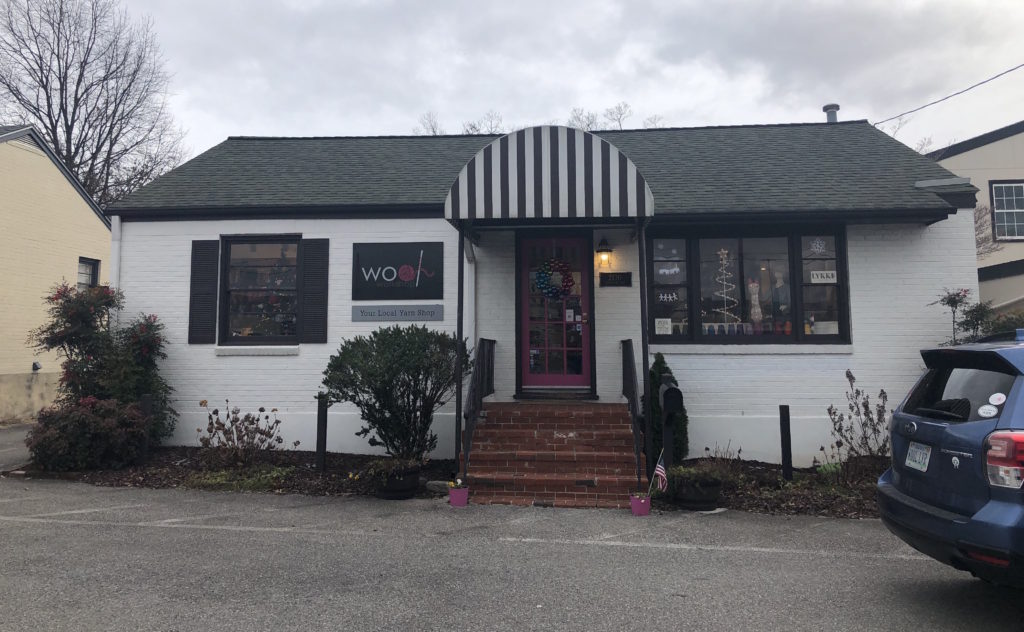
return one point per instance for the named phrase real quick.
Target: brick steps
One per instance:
(571, 454)
(583, 462)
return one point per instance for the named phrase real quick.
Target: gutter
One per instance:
(956, 191)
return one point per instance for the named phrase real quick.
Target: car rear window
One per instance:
(957, 394)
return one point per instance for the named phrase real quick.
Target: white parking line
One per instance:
(81, 511)
(178, 525)
(169, 524)
(171, 521)
(22, 499)
(719, 548)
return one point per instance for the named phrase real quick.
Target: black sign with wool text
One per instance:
(398, 271)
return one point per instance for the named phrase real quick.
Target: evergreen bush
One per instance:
(679, 421)
(397, 377)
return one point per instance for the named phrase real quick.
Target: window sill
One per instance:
(737, 349)
(254, 350)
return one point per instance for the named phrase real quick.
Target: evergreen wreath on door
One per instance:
(544, 274)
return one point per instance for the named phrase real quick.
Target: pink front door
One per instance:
(555, 278)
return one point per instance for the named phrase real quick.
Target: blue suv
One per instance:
(954, 489)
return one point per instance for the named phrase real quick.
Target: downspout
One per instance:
(645, 349)
(114, 277)
(115, 252)
(459, 336)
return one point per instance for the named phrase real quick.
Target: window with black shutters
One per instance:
(261, 296)
(259, 290)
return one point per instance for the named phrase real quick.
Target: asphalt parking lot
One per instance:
(78, 557)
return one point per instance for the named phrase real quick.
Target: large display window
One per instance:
(754, 287)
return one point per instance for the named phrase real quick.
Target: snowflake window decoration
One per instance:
(818, 246)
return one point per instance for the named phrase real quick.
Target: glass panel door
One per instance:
(555, 293)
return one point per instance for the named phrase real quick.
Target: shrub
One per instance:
(90, 434)
(863, 431)
(100, 361)
(679, 421)
(1010, 321)
(699, 475)
(397, 377)
(956, 301)
(238, 440)
(380, 470)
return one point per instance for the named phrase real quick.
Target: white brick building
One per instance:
(762, 261)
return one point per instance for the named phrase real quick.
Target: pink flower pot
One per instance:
(640, 506)
(458, 496)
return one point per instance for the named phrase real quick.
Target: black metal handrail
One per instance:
(632, 394)
(481, 384)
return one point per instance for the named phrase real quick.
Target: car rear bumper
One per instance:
(995, 532)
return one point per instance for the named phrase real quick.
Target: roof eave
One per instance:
(289, 211)
(71, 178)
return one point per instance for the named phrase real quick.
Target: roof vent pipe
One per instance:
(830, 112)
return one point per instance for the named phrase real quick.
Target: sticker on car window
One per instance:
(988, 410)
(997, 399)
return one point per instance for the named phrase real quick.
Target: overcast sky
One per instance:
(334, 67)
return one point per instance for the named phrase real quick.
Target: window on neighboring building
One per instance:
(767, 287)
(1008, 209)
(260, 290)
(88, 273)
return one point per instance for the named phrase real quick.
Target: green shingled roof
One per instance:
(756, 168)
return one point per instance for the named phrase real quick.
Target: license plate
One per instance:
(918, 455)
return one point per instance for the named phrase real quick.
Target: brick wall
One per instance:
(155, 277)
(732, 392)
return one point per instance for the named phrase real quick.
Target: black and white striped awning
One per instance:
(549, 171)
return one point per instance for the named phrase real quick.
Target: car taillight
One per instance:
(1004, 459)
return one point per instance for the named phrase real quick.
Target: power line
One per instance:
(950, 96)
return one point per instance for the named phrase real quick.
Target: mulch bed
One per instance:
(182, 466)
(758, 487)
(748, 485)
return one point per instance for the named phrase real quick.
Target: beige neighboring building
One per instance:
(54, 231)
(995, 164)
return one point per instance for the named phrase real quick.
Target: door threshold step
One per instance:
(556, 395)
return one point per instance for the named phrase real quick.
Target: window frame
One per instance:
(94, 275)
(793, 235)
(224, 312)
(992, 184)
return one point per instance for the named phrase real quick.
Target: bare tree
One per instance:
(654, 121)
(984, 242)
(894, 129)
(429, 125)
(92, 80)
(489, 123)
(617, 114)
(924, 145)
(582, 119)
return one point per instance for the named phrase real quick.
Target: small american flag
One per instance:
(660, 474)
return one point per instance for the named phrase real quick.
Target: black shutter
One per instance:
(315, 264)
(202, 301)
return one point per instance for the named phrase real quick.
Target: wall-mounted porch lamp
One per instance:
(604, 252)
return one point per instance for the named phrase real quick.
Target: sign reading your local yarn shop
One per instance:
(398, 271)
(396, 313)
